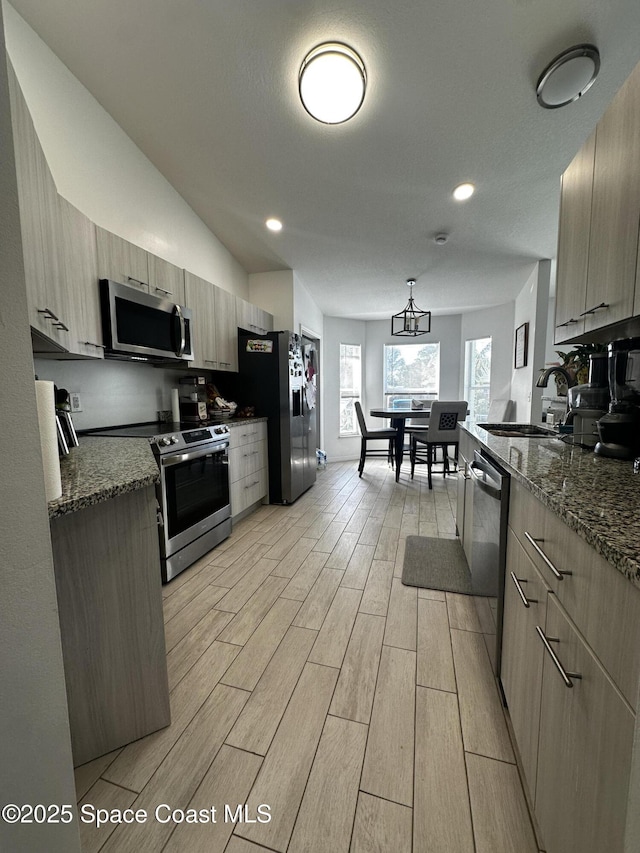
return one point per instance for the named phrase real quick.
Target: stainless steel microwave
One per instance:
(139, 326)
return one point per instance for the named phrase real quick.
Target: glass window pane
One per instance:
(411, 371)
(477, 377)
(350, 387)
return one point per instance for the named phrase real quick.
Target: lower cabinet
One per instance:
(107, 572)
(585, 748)
(248, 473)
(570, 685)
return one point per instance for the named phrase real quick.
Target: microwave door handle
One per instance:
(183, 340)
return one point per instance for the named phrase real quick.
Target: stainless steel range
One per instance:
(194, 512)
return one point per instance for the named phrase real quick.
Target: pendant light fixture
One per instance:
(411, 321)
(332, 83)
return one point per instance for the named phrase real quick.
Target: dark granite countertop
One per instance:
(95, 472)
(598, 498)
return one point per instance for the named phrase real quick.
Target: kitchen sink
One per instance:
(518, 430)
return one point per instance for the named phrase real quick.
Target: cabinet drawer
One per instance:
(248, 491)
(527, 518)
(525, 605)
(600, 600)
(584, 759)
(247, 433)
(247, 459)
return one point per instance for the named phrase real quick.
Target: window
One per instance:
(411, 371)
(477, 376)
(350, 387)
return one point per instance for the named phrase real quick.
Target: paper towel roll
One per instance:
(175, 405)
(45, 401)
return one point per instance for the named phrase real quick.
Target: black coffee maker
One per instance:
(619, 429)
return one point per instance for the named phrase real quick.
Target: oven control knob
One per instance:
(164, 442)
(173, 439)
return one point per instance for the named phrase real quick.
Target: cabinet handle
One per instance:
(209, 361)
(594, 309)
(255, 483)
(534, 542)
(162, 290)
(526, 601)
(91, 344)
(568, 322)
(566, 676)
(225, 363)
(245, 455)
(48, 313)
(60, 325)
(137, 281)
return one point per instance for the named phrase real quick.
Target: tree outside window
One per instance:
(477, 377)
(411, 371)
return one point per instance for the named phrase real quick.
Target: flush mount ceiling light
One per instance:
(412, 321)
(273, 224)
(332, 82)
(568, 76)
(463, 191)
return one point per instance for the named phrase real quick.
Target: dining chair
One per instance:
(444, 431)
(373, 435)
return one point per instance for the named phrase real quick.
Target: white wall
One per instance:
(339, 331)
(274, 292)
(497, 323)
(35, 745)
(305, 311)
(532, 306)
(444, 329)
(98, 168)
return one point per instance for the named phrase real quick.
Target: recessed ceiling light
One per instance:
(568, 76)
(463, 192)
(332, 82)
(274, 224)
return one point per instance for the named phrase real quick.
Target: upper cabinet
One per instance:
(598, 283)
(121, 261)
(573, 242)
(215, 329)
(615, 211)
(252, 318)
(38, 200)
(165, 279)
(79, 267)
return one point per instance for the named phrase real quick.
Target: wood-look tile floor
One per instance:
(305, 677)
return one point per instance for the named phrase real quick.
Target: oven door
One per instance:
(195, 494)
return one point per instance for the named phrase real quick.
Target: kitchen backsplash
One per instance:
(112, 392)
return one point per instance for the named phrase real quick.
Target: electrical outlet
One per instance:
(76, 402)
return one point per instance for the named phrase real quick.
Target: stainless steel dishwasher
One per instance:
(489, 535)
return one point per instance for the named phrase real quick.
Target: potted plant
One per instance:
(576, 363)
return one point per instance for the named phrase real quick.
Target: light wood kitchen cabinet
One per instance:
(121, 261)
(525, 606)
(79, 265)
(585, 748)
(40, 226)
(573, 243)
(215, 329)
(107, 571)
(248, 465)
(252, 318)
(226, 330)
(165, 279)
(199, 296)
(615, 210)
(574, 734)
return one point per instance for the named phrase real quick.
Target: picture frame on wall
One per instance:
(522, 345)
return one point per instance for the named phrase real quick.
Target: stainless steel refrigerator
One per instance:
(278, 373)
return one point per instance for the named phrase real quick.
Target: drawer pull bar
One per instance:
(566, 676)
(534, 542)
(517, 581)
(594, 309)
(91, 344)
(162, 290)
(567, 322)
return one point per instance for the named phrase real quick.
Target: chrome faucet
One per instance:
(544, 377)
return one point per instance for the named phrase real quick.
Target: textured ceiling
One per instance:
(208, 91)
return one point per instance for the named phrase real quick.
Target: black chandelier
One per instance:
(411, 321)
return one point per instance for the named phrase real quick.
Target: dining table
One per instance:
(398, 418)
